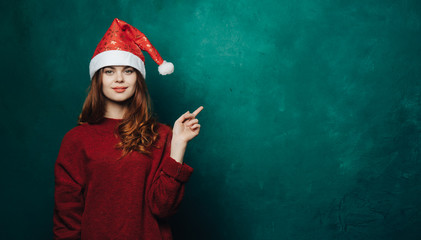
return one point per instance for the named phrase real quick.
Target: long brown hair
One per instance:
(138, 128)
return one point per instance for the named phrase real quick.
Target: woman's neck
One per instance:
(114, 110)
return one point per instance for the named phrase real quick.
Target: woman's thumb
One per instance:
(183, 117)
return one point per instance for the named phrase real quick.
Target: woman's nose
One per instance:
(120, 76)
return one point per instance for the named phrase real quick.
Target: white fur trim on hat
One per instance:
(166, 68)
(116, 58)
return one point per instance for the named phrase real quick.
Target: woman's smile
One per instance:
(120, 89)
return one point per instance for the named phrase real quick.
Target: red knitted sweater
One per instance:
(100, 198)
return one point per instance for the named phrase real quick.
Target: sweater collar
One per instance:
(109, 123)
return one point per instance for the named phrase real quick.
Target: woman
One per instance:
(120, 173)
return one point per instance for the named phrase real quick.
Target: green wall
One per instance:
(311, 122)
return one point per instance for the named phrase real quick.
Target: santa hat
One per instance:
(122, 45)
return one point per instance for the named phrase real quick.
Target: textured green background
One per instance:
(312, 118)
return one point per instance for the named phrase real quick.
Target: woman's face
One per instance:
(118, 82)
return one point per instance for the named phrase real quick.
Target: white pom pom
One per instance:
(166, 68)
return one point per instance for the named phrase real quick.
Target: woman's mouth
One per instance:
(120, 89)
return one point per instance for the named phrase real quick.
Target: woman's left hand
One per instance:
(187, 126)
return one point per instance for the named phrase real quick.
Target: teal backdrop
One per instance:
(311, 121)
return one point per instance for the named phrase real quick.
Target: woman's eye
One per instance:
(108, 71)
(129, 71)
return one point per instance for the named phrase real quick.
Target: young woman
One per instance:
(120, 173)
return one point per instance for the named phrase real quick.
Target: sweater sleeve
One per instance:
(69, 187)
(167, 189)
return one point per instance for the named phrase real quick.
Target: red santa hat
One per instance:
(122, 45)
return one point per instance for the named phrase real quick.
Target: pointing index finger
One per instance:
(197, 111)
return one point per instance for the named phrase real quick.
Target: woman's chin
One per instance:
(123, 100)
